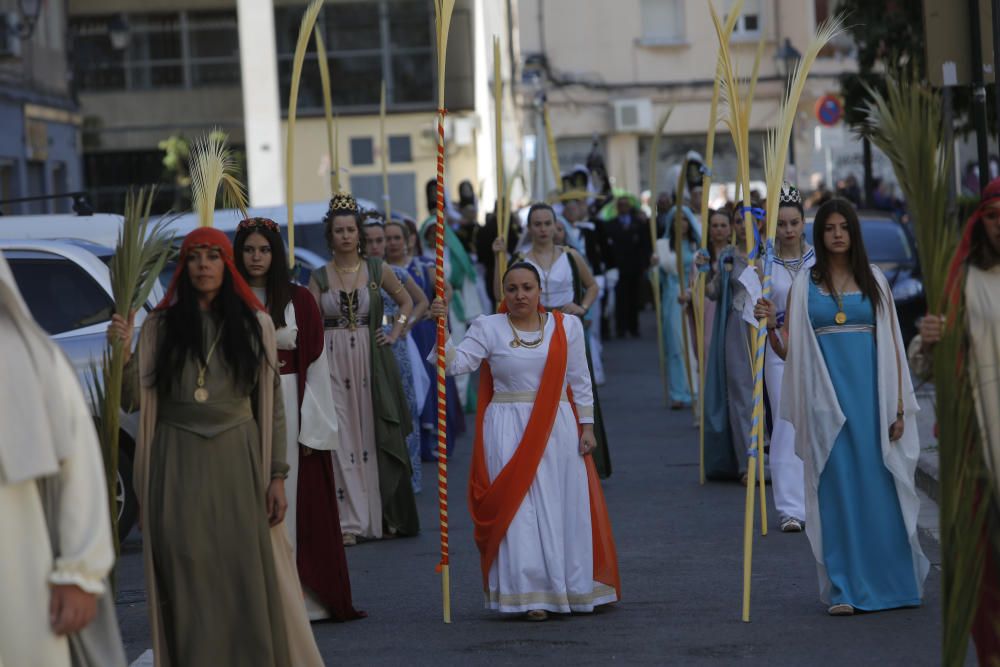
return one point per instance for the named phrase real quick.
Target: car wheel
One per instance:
(125, 500)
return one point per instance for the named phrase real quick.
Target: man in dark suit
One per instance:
(628, 248)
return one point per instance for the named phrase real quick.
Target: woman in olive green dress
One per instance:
(209, 471)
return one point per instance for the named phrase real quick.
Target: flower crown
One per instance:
(252, 223)
(344, 201)
(789, 195)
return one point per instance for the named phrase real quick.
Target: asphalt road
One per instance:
(680, 555)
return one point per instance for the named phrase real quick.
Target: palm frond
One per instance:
(324, 79)
(905, 123)
(305, 30)
(212, 167)
(778, 139)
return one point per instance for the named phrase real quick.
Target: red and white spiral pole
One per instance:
(442, 12)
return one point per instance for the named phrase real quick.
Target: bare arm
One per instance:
(591, 290)
(420, 302)
(398, 293)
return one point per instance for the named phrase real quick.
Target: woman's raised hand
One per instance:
(499, 245)
(122, 330)
(931, 329)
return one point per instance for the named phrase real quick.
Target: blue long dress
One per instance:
(406, 374)
(425, 335)
(673, 335)
(721, 462)
(865, 546)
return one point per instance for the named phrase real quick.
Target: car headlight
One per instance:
(907, 289)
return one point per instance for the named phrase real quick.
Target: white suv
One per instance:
(67, 287)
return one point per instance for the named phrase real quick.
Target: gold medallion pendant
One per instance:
(515, 343)
(201, 394)
(840, 317)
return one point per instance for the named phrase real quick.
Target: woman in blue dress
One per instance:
(402, 250)
(679, 372)
(375, 243)
(848, 394)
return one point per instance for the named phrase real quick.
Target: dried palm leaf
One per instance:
(654, 162)
(213, 167)
(331, 123)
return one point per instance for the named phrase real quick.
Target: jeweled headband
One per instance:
(789, 195)
(344, 201)
(251, 223)
(372, 218)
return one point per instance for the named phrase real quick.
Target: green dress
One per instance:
(208, 523)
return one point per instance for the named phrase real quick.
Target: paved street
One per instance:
(679, 546)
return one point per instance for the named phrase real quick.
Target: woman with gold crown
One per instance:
(210, 470)
(372, 468)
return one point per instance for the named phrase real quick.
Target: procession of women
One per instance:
(285, 426)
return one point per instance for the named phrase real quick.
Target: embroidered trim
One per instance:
(600, 592)
(585, 411)
(845, 328)
(520, 396)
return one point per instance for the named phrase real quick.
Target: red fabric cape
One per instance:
(210, 237)
(493, 506)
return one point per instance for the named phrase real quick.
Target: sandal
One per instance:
(350, 540)
(791, 525)
(537, 615)
(840, 610)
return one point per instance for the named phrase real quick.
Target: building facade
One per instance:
(148, 70)
(40, 141)
(609, 73)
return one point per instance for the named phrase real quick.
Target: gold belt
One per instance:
(521, 396)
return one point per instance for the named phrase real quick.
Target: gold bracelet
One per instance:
(397, 290)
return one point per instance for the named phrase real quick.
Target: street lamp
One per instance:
(118, 32)
(786, 58)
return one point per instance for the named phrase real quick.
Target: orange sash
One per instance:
(493, 506)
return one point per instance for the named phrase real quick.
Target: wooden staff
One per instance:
(387, 200)
(654, 163)
(501, 208)
(699, 286)
(331, 124)
(442, 15)
(305, 30)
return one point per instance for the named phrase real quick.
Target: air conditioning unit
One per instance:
(10, 41)
(633, 116)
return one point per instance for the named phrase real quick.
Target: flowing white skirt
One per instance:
(546, 560)
(787, 471)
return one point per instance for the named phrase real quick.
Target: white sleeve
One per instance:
(667, 256)
(85, 551)
(467, 356)
(318, 427)
(577, 370)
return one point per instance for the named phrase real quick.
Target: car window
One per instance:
(886, 242)
(61, 295)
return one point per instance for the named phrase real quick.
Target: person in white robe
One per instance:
(57, 551)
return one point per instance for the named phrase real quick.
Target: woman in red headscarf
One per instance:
(210, 468)
(972, 299)
(541, 525)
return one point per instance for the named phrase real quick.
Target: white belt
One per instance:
(521, 396)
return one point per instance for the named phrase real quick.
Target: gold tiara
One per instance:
(344, 201)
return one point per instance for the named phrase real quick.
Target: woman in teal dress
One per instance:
(852, 405)
(678, 374)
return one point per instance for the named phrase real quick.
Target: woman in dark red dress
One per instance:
(312, 519)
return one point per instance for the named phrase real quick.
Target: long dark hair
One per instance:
(240, 344)
(279, 281)
(858, 260)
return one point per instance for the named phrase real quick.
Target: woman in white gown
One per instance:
(793, 256)
(541, 525)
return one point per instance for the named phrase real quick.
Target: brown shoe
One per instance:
(537, 615)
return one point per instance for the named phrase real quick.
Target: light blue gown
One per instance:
(673, 335)
(406, 374)
(865, 546)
